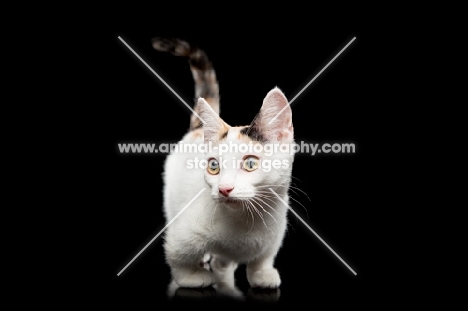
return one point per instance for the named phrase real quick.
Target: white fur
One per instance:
(227, 231)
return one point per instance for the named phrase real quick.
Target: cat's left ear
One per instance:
(275, 118)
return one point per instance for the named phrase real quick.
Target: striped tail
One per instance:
(206, 84)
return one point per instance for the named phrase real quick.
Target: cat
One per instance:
(237, 219)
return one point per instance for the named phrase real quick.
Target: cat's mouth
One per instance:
(221, 199)
(229, 200)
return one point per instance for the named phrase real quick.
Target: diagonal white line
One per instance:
(290, 102)
(167, 85)
(162, 230)
(312, 230)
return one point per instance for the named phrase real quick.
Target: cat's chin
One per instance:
(231, 202)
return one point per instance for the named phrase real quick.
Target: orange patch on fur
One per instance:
(224, 129)
(198, 133)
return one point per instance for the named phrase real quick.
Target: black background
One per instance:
(350, 204)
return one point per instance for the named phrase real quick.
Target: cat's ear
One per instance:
(214, 125)
(275, 118)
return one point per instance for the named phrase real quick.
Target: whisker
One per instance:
(253, 199)
(301, 191)
(290, 225)
(267, 194)
(290, 197)
(269, 229)
(258, 212)
(290, 187)
(290, 176)
(245, 205)
(266, 197)
(251, 213)
(296, 178)
(244, 209)
(300, 205)
(259, 197)
(272, 186)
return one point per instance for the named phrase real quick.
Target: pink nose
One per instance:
(225, 190)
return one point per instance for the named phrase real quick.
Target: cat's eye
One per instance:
(213, 167)
(251, 163)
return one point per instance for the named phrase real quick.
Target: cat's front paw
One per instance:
(266, 278)
(193, 278)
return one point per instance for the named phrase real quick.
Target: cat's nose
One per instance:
(225, 190)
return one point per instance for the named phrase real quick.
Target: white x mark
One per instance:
(178, 214)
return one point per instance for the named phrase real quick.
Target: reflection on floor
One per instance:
(222, 291)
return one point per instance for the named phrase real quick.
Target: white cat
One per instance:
(236, 219)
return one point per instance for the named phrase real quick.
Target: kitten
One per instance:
(237, 219)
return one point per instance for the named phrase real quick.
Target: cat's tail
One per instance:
(206, 83)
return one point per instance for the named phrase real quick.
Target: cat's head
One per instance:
(244, 162)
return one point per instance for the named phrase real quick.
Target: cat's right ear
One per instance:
(213, 125)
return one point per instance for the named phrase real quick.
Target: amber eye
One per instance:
(251, 163)
(213, 167)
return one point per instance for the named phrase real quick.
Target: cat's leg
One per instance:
(184, 261)
(190, 274)
(261, 273)
(223, 272)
